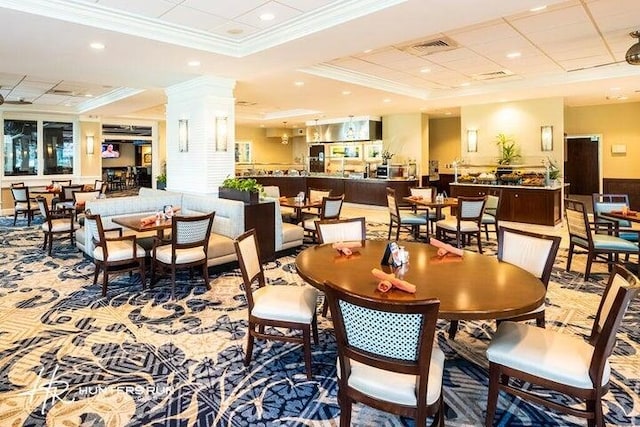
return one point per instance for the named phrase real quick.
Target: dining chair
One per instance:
(597, 246)
(331, 207)
(188, 247)
(604, 203)
(532, 252)
(17, 184)
(65, 199)
(101, 186)
(116, 254)
(57, 222)
(426, 193)
(61, 182)
(491, 209)
(565, 364)
(316, 195)
(402, 219)
(387, 357)
(465, 224)
(80, 199)
(22, 204)
(275, 306)
(273, 191)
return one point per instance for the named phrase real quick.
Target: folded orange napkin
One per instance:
(444, 248)
(448, 257)
(345, 247)
(403, 285)
(384, 286)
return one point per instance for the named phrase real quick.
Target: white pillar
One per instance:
(201, 167)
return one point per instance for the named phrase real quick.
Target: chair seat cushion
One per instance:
(412, 218)
(607, 242)
(451, 224)
(183, 256)
(60, 225)
(119, 250)
(309, 224)
(488, 219)
(220, 246)
(285, 303)
(396, 387)
(23, 206)
(291, 233)
(544, 353)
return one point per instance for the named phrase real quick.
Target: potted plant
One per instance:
(244, 189)
(508, 149)
(161, 181)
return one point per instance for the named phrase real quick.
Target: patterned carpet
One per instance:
(69, 357)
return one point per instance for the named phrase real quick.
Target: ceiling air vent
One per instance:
(493, 75)
(60, 92)
(428, 47)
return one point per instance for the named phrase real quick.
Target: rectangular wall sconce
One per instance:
(183, 135)
(618, 149)
(90, 146)
(472, 140)
(546, 138)
(221, 134)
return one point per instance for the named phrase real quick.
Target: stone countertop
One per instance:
(331, 177)
(523, 187)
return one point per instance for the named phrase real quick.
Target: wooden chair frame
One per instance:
(21, 195)
(49, 216)
(462, 237)
(323, 215)
(395, 217)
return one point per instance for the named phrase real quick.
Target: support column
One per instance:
(200, 165)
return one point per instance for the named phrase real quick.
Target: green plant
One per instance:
(508, 149)
(162, 178)
(554, 171)
(242, 184)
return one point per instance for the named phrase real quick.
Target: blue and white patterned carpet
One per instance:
(69, 357)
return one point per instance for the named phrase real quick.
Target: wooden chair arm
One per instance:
(114, 229)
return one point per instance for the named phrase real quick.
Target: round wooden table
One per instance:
(474, 287)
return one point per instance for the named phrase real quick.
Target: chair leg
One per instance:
(540, 320)
(173, 283)
(453, 328)
(141, 266)
(306, 339)
(95, 274)
(205, 275)
(570, 256)
(249, 352)
(50, 243)
(388, 234)
(15, 217)
(479, 237)
(587, 271)
(345, 404)
(105, 280)
(325, 307)
(492, 395)
(314, 329)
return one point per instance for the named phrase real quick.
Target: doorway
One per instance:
(582, 164)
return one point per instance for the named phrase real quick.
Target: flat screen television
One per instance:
(110, 151)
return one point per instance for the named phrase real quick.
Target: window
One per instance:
(20, 147)
(58, 148)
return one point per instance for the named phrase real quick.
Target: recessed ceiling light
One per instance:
(425, 70)
(514, 55)
(88, 95)
(386, 100)
(235, 31)
(298, 83)
(97, 46)
(538, 9)
(367, 50)
(465, 84)
(267, 16)
(346, 92)
(193, 63)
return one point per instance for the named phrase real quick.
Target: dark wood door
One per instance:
(581, 165)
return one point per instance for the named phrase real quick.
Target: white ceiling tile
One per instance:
(387, 56)
(234, 29)
(193, 18)
(150, 8)
(553, 18)
(452, 55)
(586, 62)
(281, 14)
(225, 9)
(614, 14)
(485, 34)
(305, 5)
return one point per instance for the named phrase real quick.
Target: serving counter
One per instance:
(369, 191)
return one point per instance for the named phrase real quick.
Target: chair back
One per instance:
(621, 288)
(248, 254)
(392, 204)
(331, 207)
(271, 191)
(386, 335)
(604, 203)
(471, 208)
(17, 184)
(316, 194)
(82, 197)
(43, 207)
(577, 220)
(341, 230)
(95, 231)
(427, 193)
(100, 185)
(492, 206)
(20, 195)
(191, 231)
(68, 190)
(61, 182)
(530, 251)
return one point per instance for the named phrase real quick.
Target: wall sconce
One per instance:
(546, 138)
(472, 140)
(90, 146)
(221, 134)
(183, 135)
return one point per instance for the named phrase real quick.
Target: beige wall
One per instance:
(444, 141)
(90, 165)
(407, 136)
(618, 124)
(521, 120)
(263, 149)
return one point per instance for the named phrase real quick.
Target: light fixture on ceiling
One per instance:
(285, 136)
(633, 54)
(351, 133)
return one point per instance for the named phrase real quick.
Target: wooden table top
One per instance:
(632, 216)
(133, 222)
(290, 202)
(475, 287)
(448, 202)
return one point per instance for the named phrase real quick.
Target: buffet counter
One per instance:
(519, 203)
(368, 191)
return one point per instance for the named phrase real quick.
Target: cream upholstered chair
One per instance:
(386, 356)
(80, 199)
(100, 186)
(116, 254)
(22, 203)
(595, 244)
(65, 199)
(532, 252)
(566, 364)
(331, 207)
(402, 219)
(273, 191)
(188, 248)
(466, 223)
(341, 230)
(290, 307)
(57, 222)
(491, 209)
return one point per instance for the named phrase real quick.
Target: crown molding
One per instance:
(107, 98)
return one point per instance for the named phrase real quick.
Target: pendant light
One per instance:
(316, 133)
(633, 54)
(351, 133)
(285, 135)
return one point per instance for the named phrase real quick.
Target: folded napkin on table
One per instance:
(345, 247)
(444, 248)
(390, 278)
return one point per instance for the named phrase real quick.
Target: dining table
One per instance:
(629, 215)
(134, 222)
(298, 205)
(470, 287)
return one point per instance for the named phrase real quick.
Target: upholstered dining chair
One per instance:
(566, 364)
(331, 207)
(387, 358)
(57, 222)
(273, 191)
(491, 209)
(530, 251)
(65, 199)
(402, 219)
(316, 195)
(22, 204)
(595, 245)
(427, 193)
(188, 248)
(604, 203)
(274, 306)
(466, 223)
(101, 186)
(80, 199)
(113, 252)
